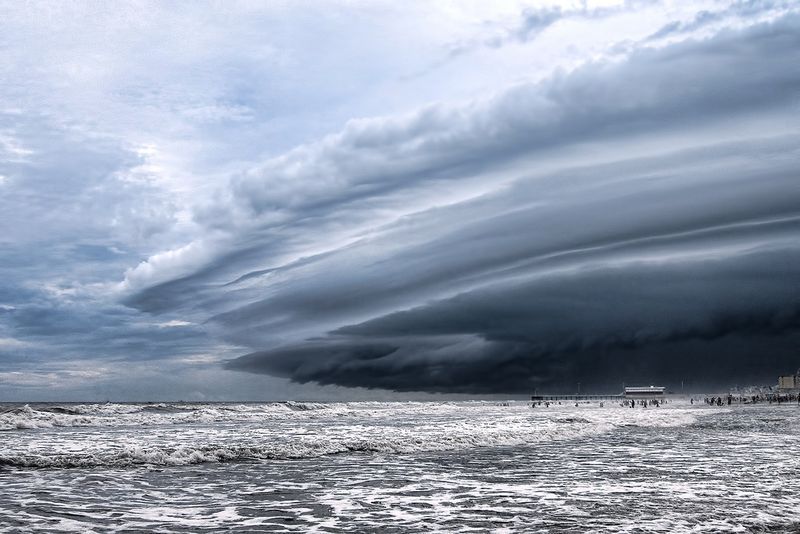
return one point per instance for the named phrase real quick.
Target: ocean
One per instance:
(399, 467)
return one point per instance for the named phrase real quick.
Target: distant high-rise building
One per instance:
(789, 381)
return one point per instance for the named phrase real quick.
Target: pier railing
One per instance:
(537, 398)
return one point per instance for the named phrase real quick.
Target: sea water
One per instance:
(399, 467)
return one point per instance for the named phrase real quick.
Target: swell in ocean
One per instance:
(163, 434)
(399, 467)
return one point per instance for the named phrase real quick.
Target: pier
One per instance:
(631, 392)
(548, 398)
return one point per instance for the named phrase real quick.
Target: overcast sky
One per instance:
(268, 200)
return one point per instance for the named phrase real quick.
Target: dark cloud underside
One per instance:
(680, 267)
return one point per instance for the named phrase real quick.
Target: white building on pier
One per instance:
(645, 392)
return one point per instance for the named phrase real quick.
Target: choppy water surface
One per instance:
(399, 467)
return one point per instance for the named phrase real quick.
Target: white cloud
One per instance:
(170, 264)
(174, 323)
(11, 343)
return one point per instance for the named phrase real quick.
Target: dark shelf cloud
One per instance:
(522, 204)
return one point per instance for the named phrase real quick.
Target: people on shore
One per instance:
(730, 399)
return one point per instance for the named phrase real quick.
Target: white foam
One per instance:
(369, 465)
(189, 434)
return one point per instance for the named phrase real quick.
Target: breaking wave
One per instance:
(291, 430)
(310, 448)
(111, 414)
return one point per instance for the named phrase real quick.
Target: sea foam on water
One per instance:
(412, 466)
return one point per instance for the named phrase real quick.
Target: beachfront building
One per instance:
(645, 392)
(789, 382)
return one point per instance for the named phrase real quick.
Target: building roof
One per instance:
(645, 389)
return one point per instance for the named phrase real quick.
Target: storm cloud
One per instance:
(596, 195)
(590, 271)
